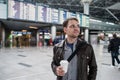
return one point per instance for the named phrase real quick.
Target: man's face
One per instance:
(72, 29)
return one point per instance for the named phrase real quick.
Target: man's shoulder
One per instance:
(84, 43)
(60, 44)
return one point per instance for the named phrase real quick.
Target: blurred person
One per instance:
(17, 41)
(50, 42)
(83, 64)
(113, 48)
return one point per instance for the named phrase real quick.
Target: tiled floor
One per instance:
(35, 64)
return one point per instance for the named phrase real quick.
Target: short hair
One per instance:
(114, 35)
(65, 23)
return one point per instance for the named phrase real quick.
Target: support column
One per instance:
(86, 11)
(86, 8)
(53, 32)
(37, 37)
(3, 37)
(87, 35)
(0, 35)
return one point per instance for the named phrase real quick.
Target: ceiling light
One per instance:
(24, 30)
(33, 27)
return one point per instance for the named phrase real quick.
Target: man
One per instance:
(83, 65)
(113, 47)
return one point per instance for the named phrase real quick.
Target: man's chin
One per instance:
(74, 36)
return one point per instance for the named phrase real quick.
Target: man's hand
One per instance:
(60, 71)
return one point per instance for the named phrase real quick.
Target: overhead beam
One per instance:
(112, 14)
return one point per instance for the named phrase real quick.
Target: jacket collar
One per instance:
(79, 41)
(61, 44)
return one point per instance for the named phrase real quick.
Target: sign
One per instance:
(42, 13)
(48, 15)
(62, 16)
(3, 11)
(85, 21)
(71, 14)
(21, 10)
(54, 15)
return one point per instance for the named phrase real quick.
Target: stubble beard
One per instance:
(73, 36)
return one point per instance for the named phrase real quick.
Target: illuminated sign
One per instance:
(21, 10)
(62, 16)
(54, 16)
(85, 21)
(42, 13)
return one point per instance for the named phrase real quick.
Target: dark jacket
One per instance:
(114, 45)
(85, 58)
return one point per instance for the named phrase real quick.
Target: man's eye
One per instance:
(72, 26)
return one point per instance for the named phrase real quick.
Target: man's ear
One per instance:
(64, 29)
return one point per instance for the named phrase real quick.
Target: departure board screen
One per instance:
(29, 11)
(15, 9)
(3, 11)
(71, 14)
(25, 13)
(62, 16)
(78, 16)
(48, 15)
(85, 20)
(41, 13)
(54, 15)
(21, 10)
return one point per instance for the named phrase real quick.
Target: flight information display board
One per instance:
(3, 11)
(21, 10)
(71, 14)
(79, 17)
(54, 15)
(15, 9)
(62, 15)
(29, 11)
(48, 15)
(85, 20)
(42, 13)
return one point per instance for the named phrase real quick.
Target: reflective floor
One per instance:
(34, 64)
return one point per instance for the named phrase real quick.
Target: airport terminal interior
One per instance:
(29, 29)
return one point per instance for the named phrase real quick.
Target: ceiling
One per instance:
(106, 10)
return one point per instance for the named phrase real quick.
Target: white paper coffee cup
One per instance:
(64, 64)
